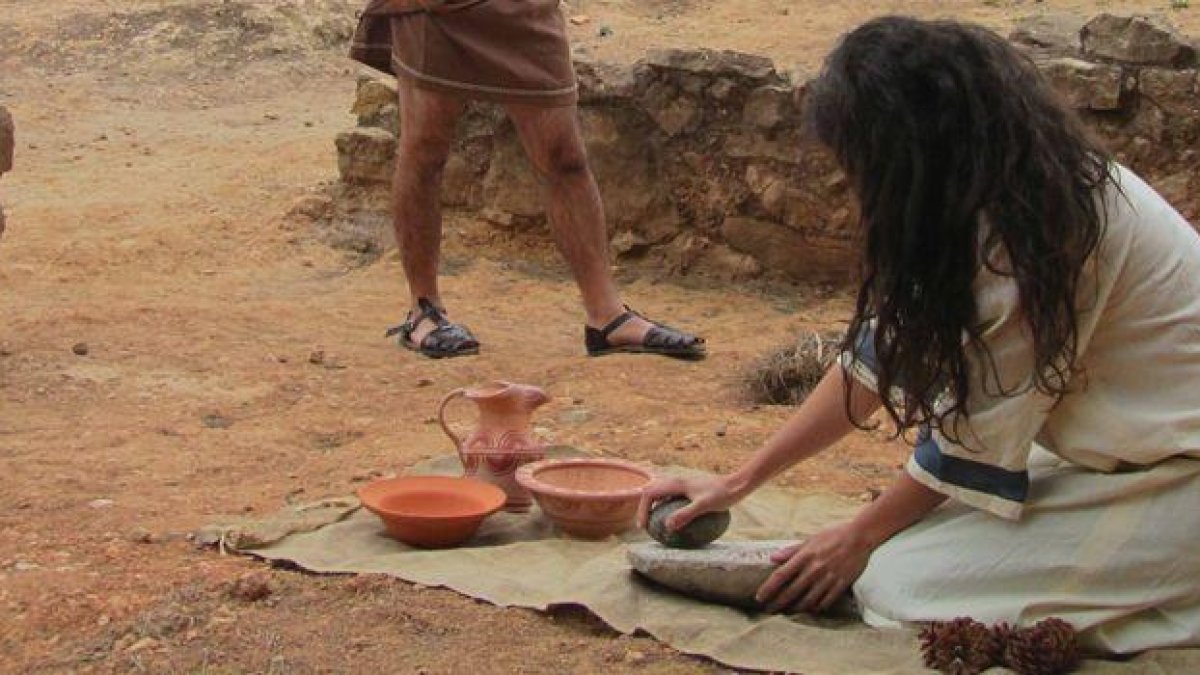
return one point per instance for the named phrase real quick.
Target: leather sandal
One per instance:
(445, 341)
(660, 339)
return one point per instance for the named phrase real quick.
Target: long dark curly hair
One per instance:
(955, 145)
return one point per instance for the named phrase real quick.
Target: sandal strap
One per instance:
(426, 311)
(616, 323)
(664, 337)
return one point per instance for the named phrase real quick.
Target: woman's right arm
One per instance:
(821, 421)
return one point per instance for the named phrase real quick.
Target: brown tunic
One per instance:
(508, 51)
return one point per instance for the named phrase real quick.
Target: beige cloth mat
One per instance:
(520, 561)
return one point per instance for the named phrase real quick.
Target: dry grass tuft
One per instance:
(788, 375)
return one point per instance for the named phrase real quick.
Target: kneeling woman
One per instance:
(1029, 317)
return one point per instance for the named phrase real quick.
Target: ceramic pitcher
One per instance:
(504, 439)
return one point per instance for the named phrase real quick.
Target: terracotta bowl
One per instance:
(590, 498)
(432, 511)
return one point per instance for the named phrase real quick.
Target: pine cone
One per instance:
(1048, 648)
(959, 647)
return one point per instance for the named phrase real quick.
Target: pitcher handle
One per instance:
(442, 420)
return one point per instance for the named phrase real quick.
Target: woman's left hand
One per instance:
(815, 572)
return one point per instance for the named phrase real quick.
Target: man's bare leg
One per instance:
(427, 123)
(555, 147)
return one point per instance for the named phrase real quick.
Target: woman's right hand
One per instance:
(707, 495)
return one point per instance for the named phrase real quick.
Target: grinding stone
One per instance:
(728, 573)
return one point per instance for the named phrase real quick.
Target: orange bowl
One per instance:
(590, 498)
(432, 511)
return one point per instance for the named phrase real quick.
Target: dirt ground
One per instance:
(160, 319)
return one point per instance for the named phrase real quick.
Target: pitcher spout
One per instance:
(533, 397)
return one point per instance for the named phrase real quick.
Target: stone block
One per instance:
(371, 95)
(726, 264)
(768, 107)
(775, 246)
(511, 184)
(366, 155)
(673, 111)
(1136, 40)
(710, 65)
(1055, 33)
(1086, 85)
(1176, 92)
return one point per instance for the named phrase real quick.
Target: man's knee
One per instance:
(562, 159)
(424, 159)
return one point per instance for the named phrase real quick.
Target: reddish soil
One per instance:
(172, 349)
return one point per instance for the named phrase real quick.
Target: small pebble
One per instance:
(216, 421)
(140, 535)
(101, 503)
(424, 382)
(140, 645)
(634, 656)
(80, 349)
(722, 429)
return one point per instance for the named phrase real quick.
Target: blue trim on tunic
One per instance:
(968, 474)
(864, 348)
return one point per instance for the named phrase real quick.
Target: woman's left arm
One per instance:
(815, 572)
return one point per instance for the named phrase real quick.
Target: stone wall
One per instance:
(702, 163)
(7, 141)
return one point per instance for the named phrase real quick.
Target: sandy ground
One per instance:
(160, 317)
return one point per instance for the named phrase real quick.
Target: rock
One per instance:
(1051, 33)
(623, 151)
(366, 155)
(511, 185)
(1086, 85)
(627, 242)
(673, 112)
(1176, 92)
(768, 106)
(727, 573)
(462, 178)
(711, 64)
(697, 534)
(101, 503)
(1137, 40)
(140, 535)
(79, 349)
(372, 95)
(775, 246)
(724, 263)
